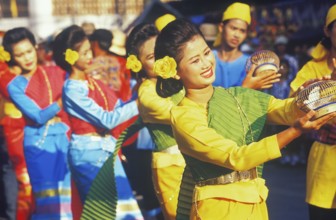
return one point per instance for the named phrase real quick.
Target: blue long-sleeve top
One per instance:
(77, 103)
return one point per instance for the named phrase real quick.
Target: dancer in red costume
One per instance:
(13, 125)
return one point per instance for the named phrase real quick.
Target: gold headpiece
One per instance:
(163, 20)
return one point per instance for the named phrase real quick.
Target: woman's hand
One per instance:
(263, 81)
(306, 123)
(302, 125)
(309, 82)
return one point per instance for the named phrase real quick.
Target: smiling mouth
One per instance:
(207, 74)
(235, 41)
(29, 64)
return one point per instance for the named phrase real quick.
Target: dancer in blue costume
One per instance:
(94, 112)
(230, 61)
(37, 94)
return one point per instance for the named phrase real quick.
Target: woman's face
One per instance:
(146, 56)
(234, 32)
(85, 56)
(197, 66)
(25, 56)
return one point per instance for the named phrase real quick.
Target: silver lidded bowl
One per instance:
(265, 60)
(319, 96)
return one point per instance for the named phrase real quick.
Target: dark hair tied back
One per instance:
(135, 40)
(70, 38)
(168, 87)
(171, 42)
(14, 36)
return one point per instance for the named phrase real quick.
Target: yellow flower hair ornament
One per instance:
(71, 56)
(133, 63)
(165, 67)
(4, 55)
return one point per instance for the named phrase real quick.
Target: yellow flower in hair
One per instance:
(133, 63)
(71, 56)
(165, 67)
(4, 55)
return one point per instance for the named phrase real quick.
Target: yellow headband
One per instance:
(236, 10)
(162, 21)
(319, 52)
(331, 16)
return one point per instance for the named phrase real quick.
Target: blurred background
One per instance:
(296, 23)
(300, 20)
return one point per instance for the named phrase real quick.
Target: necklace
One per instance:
(242, 116)
(45, 133)
(92, 85)
(48, 85)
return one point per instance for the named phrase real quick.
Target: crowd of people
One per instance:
(89, 125)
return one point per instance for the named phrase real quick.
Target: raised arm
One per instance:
(77, 103)
(282, 112)
(152, 107)
(195, 138)
(16, 91)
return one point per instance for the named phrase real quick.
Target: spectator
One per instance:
(280, 48)
(230, 61)
(108, 67)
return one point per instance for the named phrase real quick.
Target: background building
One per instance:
(44, 17)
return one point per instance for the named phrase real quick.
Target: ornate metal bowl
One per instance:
(319, 96)
(265, 60)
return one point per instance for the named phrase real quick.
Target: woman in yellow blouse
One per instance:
(218, 130)
(321, 186)
(167, 162)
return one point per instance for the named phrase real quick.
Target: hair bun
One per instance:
(265, 61)
(319, 96)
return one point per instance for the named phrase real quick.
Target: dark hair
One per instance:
(104, 38)
(170, 42)
(70, 38)
(326, 41)
(225, 22)
(137, 37)
(14, 36)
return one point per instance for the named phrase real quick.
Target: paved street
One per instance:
(287, 191)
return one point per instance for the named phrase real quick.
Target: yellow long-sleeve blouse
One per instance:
(152, 107)
(195, 138)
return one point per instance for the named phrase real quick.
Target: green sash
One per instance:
(101, 201)
(238, 114)
(225, 118)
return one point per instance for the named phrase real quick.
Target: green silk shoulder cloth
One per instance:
(238, 114)
(101, 201)
(162, 136)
